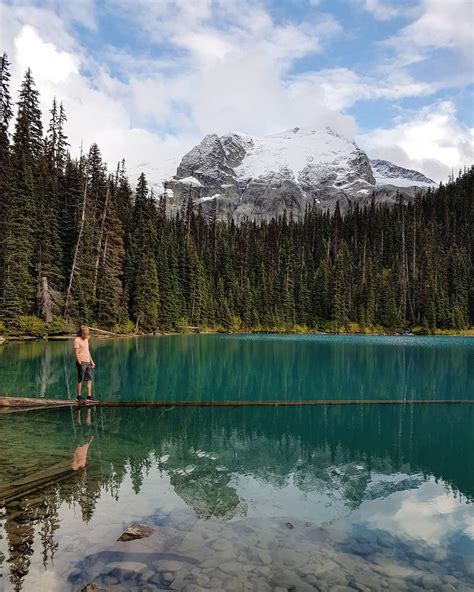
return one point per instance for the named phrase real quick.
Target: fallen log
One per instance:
(281, 403)
(26, 403)
(35, 481)
(104, 332)
(31, 402)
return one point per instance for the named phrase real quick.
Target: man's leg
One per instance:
(89, 389)
(78, 389)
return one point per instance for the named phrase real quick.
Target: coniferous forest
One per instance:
(79, 245)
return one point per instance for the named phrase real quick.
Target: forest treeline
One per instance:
(77, 244)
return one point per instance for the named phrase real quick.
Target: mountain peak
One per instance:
(387, 173)
(261, 177)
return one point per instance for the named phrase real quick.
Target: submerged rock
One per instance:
(136, 531)
(92, 588)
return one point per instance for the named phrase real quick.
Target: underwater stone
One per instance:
(92, 588)
(231, 567)
(136, 531)
(264, 556)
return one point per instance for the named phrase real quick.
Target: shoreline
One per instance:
(4, 339)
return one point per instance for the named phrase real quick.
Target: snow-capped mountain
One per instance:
(387, 173)
(258, 178)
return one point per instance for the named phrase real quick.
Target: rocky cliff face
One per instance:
(240, 177)
(387, 173)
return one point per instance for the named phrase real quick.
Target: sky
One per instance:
(147, 79)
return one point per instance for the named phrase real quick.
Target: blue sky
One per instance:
(147, 79)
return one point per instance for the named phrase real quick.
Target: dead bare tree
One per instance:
(78, 242)
(49, 300)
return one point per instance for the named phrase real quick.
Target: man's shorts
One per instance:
(83, 372)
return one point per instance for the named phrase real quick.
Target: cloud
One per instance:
(440, 25)
(431, 141)
(47, 63)
(343, 87)
(380, 10)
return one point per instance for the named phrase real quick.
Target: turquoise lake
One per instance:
(248, 367)
(262, 499)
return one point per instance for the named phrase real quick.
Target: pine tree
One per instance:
(22, 202)
(5, 171)
(144, 285)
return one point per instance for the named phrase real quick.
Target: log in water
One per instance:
(30, 403)
(34, 481)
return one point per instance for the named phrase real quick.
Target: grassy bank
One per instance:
(31, 327)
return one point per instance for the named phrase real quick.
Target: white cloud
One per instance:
(380, 10)
(431, 141)
(441, 24)
(343, 87)
(47, 63)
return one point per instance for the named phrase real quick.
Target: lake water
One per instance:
(248, 367)
(301, 498)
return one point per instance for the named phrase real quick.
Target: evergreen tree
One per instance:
(22, 200)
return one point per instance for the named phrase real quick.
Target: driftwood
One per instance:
(104, 332)
(35, 481)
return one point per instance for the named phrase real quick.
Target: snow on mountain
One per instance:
(242, 177)
(293, 150)
(387, 173)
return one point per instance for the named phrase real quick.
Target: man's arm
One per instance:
(76, 352)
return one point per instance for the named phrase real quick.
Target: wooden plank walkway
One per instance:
(25, 403)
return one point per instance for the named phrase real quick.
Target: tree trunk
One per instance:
(101, 235)
(76, 250)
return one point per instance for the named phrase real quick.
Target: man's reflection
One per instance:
(83, 439)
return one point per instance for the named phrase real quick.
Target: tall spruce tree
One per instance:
(5, 171)
(22, 203)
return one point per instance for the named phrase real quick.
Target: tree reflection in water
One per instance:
(204, 451)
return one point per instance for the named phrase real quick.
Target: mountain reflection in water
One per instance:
(311, 464)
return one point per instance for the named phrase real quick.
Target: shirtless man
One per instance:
(84, 362)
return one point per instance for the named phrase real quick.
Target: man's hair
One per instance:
(83, 331)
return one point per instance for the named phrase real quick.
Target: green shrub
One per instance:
(418, 330)
(127, 328)
(235, 323)
(59, 326)
(299, 329)
(2, 327)
(182, 325)
(30, 325)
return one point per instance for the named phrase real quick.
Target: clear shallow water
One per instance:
(376, 498)
(249, 367)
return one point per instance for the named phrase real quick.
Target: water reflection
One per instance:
(363, 474)
(220, 367)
